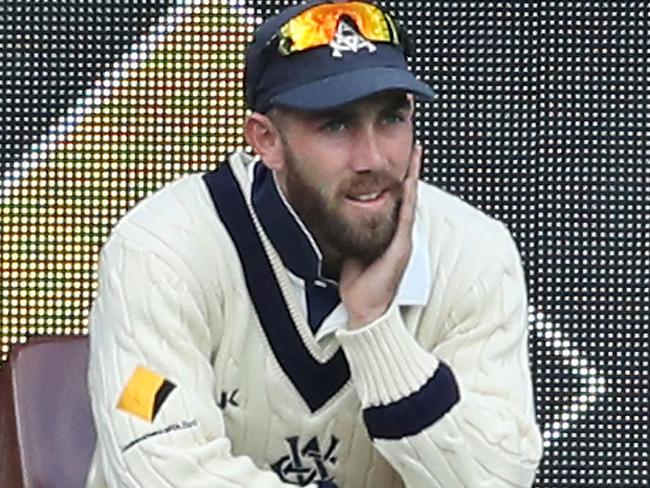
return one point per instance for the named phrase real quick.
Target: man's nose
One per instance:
(368, 154)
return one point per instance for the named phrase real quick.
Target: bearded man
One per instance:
(314, 315)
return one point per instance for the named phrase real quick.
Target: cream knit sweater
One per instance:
(444, 389)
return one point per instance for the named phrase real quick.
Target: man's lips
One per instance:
(370, 201)
(367, 196)
(371, 192)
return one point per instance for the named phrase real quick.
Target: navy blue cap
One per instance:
(315, 79)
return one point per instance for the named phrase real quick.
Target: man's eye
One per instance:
(394, 118)
(335, 126)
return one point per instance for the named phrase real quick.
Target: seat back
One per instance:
(47, 434)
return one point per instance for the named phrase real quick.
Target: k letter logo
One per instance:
(144, 394)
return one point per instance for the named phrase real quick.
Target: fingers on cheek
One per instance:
(408, 207)
(412, 190)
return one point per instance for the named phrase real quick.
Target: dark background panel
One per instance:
(594, 228)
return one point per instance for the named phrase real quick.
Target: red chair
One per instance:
(47, 434)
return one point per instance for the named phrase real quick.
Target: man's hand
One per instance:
(367, 291)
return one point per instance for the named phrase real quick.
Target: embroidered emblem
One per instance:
(144, 394)
(347, 39)
(307, 465)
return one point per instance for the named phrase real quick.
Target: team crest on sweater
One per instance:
(307, 462)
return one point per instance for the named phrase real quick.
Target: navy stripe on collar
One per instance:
(316, 382)
(282, 228)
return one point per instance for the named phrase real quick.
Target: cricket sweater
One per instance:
(190, 388)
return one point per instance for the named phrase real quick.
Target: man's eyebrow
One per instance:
(346, 113)
(398, 104)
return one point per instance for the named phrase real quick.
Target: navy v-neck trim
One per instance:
(282, 228)
(316, 382)
(294, 245)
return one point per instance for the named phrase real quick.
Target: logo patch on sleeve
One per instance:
(144, 393)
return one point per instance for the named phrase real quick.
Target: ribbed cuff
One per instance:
(386, 362)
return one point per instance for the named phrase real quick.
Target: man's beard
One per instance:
(364, 238)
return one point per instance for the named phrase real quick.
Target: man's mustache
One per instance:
(371, 182)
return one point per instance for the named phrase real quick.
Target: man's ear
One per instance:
(411, 98)
(263, 136)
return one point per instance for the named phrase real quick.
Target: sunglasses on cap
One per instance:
(318, 26)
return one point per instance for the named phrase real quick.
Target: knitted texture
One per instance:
(172, 298)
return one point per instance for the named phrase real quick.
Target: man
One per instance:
(314, 316)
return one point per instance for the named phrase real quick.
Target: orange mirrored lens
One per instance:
(317, 26)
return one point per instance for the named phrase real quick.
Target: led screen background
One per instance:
(541, 120)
